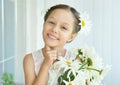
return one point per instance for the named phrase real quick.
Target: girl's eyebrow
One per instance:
(65, 23)
(51, 17)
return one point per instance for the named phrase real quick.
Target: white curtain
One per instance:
(104, 37)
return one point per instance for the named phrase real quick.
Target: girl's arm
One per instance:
(30, 77)
(29, 67)
(42, 78)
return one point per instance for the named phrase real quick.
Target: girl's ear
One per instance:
(72, 37)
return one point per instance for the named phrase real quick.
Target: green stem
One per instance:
(83, 65)
(100, 71)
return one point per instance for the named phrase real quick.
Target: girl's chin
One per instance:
(51, 44)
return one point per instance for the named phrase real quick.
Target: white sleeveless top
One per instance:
(38, 59)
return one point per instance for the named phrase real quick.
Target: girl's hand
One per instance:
(50, 56)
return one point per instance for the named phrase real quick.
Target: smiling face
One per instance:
(58, 28)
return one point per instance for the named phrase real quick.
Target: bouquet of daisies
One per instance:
(85, 67)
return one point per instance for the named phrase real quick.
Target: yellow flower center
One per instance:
(70, 83)
(68, 62)
(83, 23)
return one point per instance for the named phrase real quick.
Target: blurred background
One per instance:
(21, 33)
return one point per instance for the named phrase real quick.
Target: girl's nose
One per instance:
(55, 29)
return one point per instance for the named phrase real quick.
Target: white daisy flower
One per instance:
(104, 72)
(69, 83)
(91, 53)
(85, 24)
(66, 64)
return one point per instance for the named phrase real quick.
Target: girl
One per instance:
(61, 25)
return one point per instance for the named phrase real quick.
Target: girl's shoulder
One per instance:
(34, 60)
(28, 57)
(31, 57)
(28, 64)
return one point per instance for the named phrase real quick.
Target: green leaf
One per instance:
(7, 79)
(90, 63)
(80, 52)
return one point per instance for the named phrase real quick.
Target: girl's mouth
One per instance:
(53, 37)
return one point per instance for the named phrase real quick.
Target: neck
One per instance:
(55, 48)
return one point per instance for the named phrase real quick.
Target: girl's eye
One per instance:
(64, 28)
(51, 22)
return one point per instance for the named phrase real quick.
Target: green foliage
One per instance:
(7, 79)
(64, 77)
(90, 63)
(80, 52)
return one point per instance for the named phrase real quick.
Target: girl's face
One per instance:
(58, 28)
